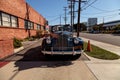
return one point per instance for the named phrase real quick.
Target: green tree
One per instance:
(83, 27)
(117, 27)
(96, 28)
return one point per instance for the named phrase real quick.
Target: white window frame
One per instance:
(29, 24)
(6, 20)
(38, 27)
(0, 19)
(26, 24)
(13, 21)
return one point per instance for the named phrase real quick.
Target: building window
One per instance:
(38, 27)
(13, 21)
(0, 20)
(26, 24)
(29, 25)
(6, 19)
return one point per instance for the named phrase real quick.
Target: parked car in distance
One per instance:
(94, 32)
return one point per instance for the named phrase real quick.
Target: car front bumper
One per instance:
(72, 52)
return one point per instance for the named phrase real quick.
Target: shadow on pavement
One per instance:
(23, 65)
(35, 54)
(34, 58)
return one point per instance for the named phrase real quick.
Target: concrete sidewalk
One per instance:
(27, 44)
(104, 69)
(106, 46)
(51, 70)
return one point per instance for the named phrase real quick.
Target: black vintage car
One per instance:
(62, 42)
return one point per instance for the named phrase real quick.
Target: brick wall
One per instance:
(23, 11)
(19, 9)
(6, 48)
(9, 33)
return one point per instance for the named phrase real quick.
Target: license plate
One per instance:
(77, 47)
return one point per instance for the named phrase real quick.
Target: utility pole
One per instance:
(103, 21)
(71, 6)
(72, 14)
(73, 11)
(60, 20)
(78, 24)
(65, 18)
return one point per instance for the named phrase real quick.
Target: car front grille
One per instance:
(61, 41)
(62, 48)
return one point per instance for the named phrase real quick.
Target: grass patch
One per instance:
(100, 53)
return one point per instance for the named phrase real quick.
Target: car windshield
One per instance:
(62, 28)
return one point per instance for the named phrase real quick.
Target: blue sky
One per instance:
(102, 9)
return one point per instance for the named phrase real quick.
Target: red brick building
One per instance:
(17, 19)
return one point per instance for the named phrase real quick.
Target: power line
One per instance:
(98, 8)
(100, 16)
(104, 10)
(87, 2)
(101, 12)
(54, 15)
(54, 19)
(89, 5)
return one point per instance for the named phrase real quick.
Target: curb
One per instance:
(18, 49)
(107, 46)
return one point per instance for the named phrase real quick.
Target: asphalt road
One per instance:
(113, 39)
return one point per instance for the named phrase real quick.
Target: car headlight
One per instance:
(76, 41)
(48, 41)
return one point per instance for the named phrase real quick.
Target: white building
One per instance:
(92, 22)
